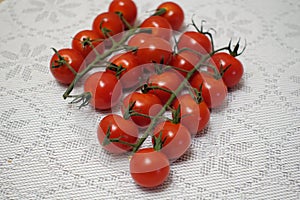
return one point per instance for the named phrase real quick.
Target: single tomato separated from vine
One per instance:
(62, 61)
(175, 137)
(105, 90)
(149, 168)
(145, 104)
(160, 27)
(126, 8)
(230, 68)
(193, 115)
(117, 128)
(171, 12)
(126, 67)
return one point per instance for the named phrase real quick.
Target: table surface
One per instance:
(250, 149)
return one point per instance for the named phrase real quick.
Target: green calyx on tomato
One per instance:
(158, 141)
(61, 62)
(116, 68)
(235, 50)
(108, 140)
(176, 115)
(57, 63)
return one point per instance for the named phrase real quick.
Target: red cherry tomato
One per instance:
(173, 13)
(196, 41)
(126, 7)
(120, 128)
(105, 89)
(155, 50)
(84, 42)
(60, 71)
(194, 116)
(108, 24)
(169, 80)
(160, 27)
(234, 73)
(214, 91)
(185, 60)
(129, 76)
(149, 168)
(176, 137)
(147, 104)
(138, 39)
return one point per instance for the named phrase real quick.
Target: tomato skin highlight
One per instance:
(185, 60)
(160, 27)
(173, 13)
(137, 39)
(128, 77)
(214, 91)
(62, 73)
(154, 50)
(176, 137)
(109, 21)
(169, 80)
(85, 49)
(105, 89)
(126, 7)
(119, 128)
(149, 168)
(196, 41)
(194, 116)
(147, 104)
(234, 73)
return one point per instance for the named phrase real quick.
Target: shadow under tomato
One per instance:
(160, 188)
(238, 87)
(185, 157)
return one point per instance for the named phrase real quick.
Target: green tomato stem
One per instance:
(167, 104)
(115, 47)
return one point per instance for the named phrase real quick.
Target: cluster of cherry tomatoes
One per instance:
(148, 75)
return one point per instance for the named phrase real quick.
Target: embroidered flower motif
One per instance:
(50, 10)
(21, 64)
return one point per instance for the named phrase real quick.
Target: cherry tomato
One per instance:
(138, 39)
(234, 73)
(214, 91)
(176, 137)
(149, 168)
(105, 89)
(169, 80)
(173, 13)
(155, 50)
(59, 68)
(108, 24)
(130, 71)
(126, 7)
(84, 41)
(147, 104)
(160, 27)
(194, 116)
(185, 60)
(196, 41)
(120, 128)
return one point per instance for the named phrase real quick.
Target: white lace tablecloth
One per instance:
(250, 150)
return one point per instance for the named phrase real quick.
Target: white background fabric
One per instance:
(250, 150)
